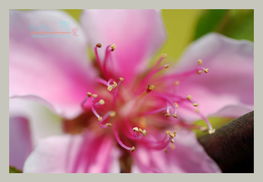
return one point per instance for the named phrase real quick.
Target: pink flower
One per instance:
(116, 114)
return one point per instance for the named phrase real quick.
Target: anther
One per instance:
(100, 118)
(205, 70)
(112, 113)
(112, 86)
(174, 115)
(108, 124)
(113, 47)
(171, 134)
(150, 88)
(199, 72)
(167, 114)
(121, 79)
(135, 129)
(101, 102)
(211, 131)
(189, 97)
(89, 94)
(98, 45)
(132, 148)
(166, 66)
(199, 61)
(195, 104)
(94, 95)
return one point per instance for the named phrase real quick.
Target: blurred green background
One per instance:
(185, 25)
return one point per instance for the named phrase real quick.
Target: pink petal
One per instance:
(69, 153)
(187, 157)
(136, 33)
(42, 120)
(54, 68)
(20, 143)
(230, 77)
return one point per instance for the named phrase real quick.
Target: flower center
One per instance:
(146, 111)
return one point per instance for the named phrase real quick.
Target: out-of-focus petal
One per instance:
(42, 121)
(20, 141)
(230, 77)
(72, 154)
(49, 65)
(187, 157)
(136, 33)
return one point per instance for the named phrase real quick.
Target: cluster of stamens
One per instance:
(166, 103)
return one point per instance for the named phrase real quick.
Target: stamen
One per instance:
(132, 148)
(172, 135)
(150, 88)
(139, 130)
(205, 70)
(113, 47)
(111, 86)
(96, 113)
(199, 61)
(98, 60)
(98, 45)
(195, 104)
(189, 97)
(101, 102)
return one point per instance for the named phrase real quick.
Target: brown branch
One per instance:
(232, 146)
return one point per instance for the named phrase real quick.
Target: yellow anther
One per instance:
(211, 131)
(189, 97)
(174, 115)
(100, 118)
(172, 140)
(205, 70)
(199, 72)
(94, 95)
(195, 104)
(166, 66)
(89, 94)
(113, 47)
(98, 45)
(101, 102)
(121, 78)
(150, 88)
(133, 148)
(171, 134)
(167, 114)
(177, 83)
(108, 124)
(135, 129)
(112, 113)
(200, 61)
(112, 86)
(143, 131)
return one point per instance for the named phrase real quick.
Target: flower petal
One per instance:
(230, 77)
(20, 143)
(136, 33)
(81, 154)
(42, 120)
(187, 157)
(48, 64)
